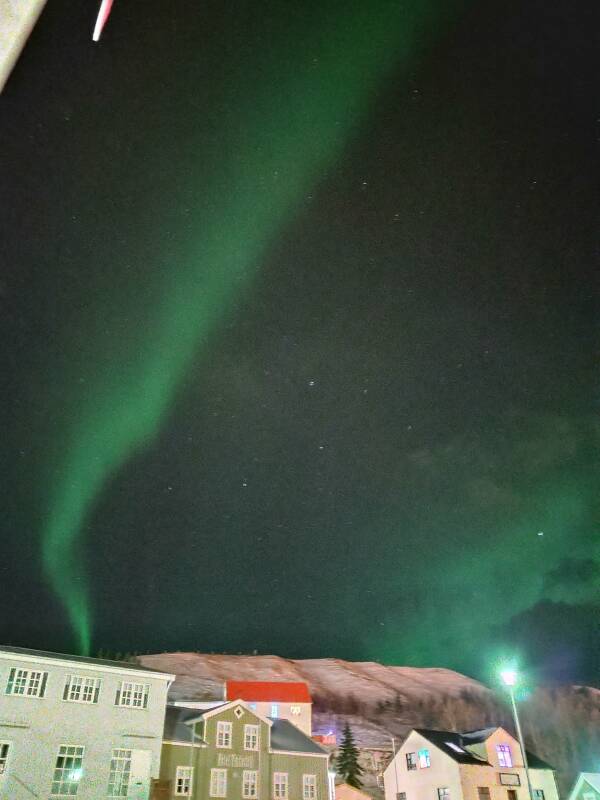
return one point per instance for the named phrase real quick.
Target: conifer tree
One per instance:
(347, 765)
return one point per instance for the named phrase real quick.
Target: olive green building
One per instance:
(230, 752)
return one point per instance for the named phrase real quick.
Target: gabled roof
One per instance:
(452, 745)
(288, 738)
(204, 713)
(591, 778)
(29, 654)
(267, 691)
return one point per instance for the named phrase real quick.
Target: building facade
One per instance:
(78, 727)
(232, 752)
(478, 765)
(275, 699)
(587, 787)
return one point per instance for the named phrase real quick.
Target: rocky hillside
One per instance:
(562, 725)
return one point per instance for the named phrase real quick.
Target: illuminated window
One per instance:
(183, 781)
(249, 783)
(411, 761)
(250, 737)
(132, 695)
(68, 771)
(274, 710)
(120, 771)
(4, 748)
(28, 683)
(224, 734)
(295, 710)
(252, 706)
(280, 785)
(443, 793)
(309, 787)
(79, 689)
(218, 783)
(483, 793)
(504, 755)
(424, 760)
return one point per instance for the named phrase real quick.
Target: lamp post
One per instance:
(510, 678)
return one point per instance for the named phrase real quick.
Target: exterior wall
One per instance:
(302, 720)
(584, 790)
(345, 792)
(421, 784)
(235, 759)
(36, 728)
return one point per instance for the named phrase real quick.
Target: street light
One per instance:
(510, 678)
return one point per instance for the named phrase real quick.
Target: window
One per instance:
(424, 760)
(504, 755)
(4, 748)
(79, 689)
(309, 787)
(27, 682)
(132, 695)
(120, 770)
(274, 710)
(218, 783)
(296, 710)
(443, 793)
(250, 737)
(249, 783)
(224, 734)
(280, 785)
(252, 706)
(183, 781)
(512, 794)
(400, 795)
(483, 793)
(68, 771)
(538, 794)
(411, 761)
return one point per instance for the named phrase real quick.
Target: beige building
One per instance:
(478, 765)
(78, 727)
(344, 791)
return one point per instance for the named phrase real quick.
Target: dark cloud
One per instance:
(573, 573)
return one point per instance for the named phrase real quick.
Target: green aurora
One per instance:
(296, 118)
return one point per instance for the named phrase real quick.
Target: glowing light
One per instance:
(509, 677)
(103, 13)
(295, 122)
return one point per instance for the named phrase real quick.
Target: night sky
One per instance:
(298, 319)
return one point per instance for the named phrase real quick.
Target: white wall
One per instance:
(36, 728)
(303, 720)
(421, 784)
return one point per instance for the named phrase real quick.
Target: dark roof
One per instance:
(533, 762)
(175, 729)
(99, 662)
(444, 741)
(287, 737)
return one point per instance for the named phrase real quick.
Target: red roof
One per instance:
(267, 692)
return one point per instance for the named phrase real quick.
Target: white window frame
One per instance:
(76, 752)
(309, 787)
(184, 781)
(503, 750)
(274, 710)
(280, 785)
(132, 695)
(250, 784)
(411, 761)
(443, 793)
(224, 734)
(82, 689)
(120, 772)
(296, 710)
(26, 682)
(5, 750)
(218, 782)
(251, 737)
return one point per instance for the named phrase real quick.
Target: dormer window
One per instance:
(504, 755)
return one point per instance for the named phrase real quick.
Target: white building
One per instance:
(587, 787)
(72, 726)
(478, 765)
